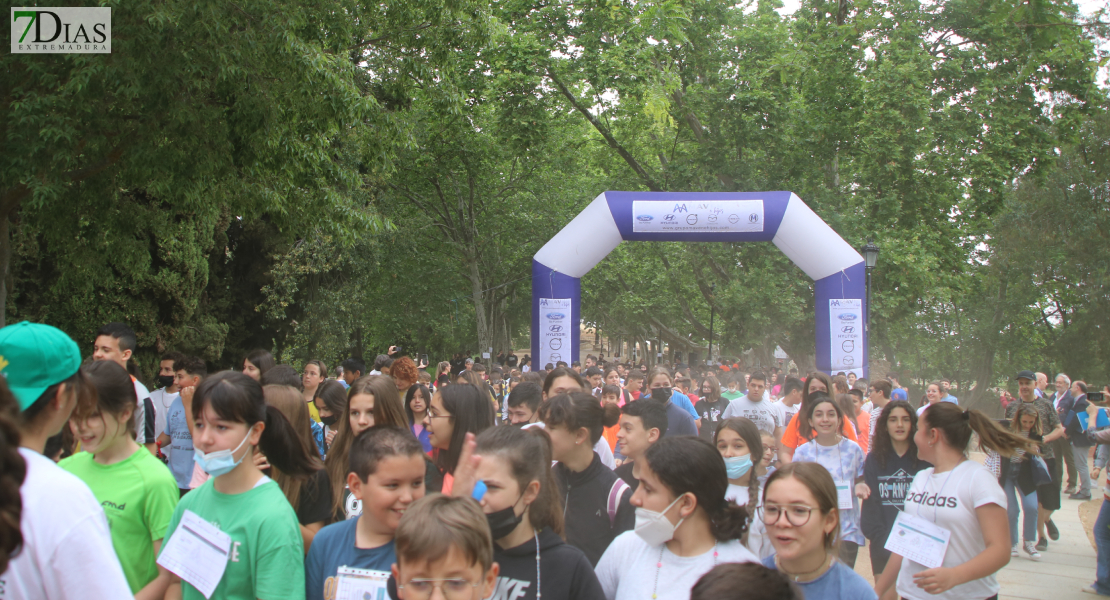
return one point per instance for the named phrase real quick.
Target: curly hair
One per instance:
(404, 371)
(12, 471)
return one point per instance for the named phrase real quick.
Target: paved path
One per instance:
(1067, 566)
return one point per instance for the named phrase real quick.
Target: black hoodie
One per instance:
(585, 508)
(889, 485)
(565, 574)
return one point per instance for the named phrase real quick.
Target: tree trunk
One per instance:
(5, 265)
(481, 317)
(982, 367)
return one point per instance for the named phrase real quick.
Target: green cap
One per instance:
(34, 357)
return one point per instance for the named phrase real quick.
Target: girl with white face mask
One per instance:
(684, 525)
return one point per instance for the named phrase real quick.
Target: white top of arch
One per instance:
(802, 236)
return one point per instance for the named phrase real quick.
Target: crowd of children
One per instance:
(600, 483)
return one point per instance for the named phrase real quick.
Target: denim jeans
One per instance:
(1102, 544)
(1028, 505)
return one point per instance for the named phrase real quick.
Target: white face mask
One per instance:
(654, 527)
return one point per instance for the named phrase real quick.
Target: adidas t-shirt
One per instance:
(949, 499)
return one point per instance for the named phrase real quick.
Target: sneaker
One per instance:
(1031, 550)
(1053, 533)
(1014, 550)
(1042, 545)
(1077, 496)
(1069, 490)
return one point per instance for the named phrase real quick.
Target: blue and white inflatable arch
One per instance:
(778, 217)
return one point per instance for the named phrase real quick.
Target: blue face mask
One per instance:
(737, 466)
(220, 462)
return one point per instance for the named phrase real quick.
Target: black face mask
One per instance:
(165, 380)
(329, 421)
(661, 395)
(504, 521)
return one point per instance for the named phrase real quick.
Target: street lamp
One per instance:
(870, 257)
(712, 295)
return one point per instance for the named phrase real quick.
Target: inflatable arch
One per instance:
(778, 217)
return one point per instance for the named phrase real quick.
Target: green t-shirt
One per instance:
(138, 495)
(730, 396)
(267, 552)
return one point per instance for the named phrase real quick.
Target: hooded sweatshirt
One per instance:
(565, 574)
(585, 508)
(888, 485)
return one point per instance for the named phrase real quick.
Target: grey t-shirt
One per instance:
(765, 414)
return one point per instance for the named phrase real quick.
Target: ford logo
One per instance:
(556, 316)
(645, 218)
(846, 316)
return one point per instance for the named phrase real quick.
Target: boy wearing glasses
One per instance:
(444, 543)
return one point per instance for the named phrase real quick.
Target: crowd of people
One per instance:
(501, 481)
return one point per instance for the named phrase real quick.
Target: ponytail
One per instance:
(687, 464)
(528, 454)
(13, 469)
(956, 425)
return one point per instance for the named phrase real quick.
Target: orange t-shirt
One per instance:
(610, 435)
(864, 420)
(792, 439)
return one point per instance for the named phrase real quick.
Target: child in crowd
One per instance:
(596, 500)
(611, 394)
(738, 441)
(135, 489)
(267, 558)
(177, 437)
(309, 496)
(684, 528)
(844, 461)
(444, 543)
(757, 581)
(524, 512)
(371, 400)
(456, 410)
(888, 472)
(386, 475)
(417, 400)
(642, 423)
(802, 519)
(975, 512)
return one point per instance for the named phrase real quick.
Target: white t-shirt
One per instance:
(788, 412)
(67, 548)
(161, 399)
(759, 543)
(144, 424)
(766, 415)
(628, 570)
(962, 490)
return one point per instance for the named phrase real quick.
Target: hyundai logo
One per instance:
(555, 328)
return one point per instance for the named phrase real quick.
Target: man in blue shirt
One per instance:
(945, 384)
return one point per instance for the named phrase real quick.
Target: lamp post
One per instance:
(870, 257)
(712, 295)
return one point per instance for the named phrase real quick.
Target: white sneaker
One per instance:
(1014, 550)
(1031, 550)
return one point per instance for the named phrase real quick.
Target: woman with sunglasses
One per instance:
(801, 516)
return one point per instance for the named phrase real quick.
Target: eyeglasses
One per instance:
(452, 589)
(432, 415)
(796, 514)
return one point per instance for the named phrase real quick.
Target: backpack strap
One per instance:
(615, 494)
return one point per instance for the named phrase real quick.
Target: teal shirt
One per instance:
(267, 551)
